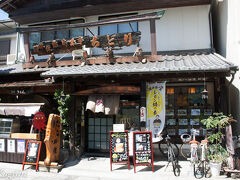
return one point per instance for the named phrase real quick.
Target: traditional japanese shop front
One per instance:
(186, 79)
(15, 127)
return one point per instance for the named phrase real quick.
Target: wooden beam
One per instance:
(99, 60)
(126, 19)
(29, 15)
(111, 89)
(153, 37)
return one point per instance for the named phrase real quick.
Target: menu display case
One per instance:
(185, 108)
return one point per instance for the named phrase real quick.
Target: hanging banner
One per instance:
(156, 108)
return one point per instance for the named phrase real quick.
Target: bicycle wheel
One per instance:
(185, 150)
(173, 159)
(207, 170)
(163, 148)
(176, 168)
(198, 169)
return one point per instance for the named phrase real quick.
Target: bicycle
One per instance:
(185, 149)
(171, 156)
(163, 147)
(203, 168)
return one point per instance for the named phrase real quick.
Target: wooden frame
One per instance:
(38, 153)
(110, 148)
(134, 150)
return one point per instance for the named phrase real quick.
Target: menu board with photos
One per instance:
(119, 148)
(32, 153)
(142, 149)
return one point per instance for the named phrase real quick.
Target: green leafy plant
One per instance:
(63, 108)
(217, 122)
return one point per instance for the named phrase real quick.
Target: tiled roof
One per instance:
(185, 62)
(210, 62)
(17, 69)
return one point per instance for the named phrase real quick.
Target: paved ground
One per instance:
(99, 169)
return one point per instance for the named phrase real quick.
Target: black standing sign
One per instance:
(119, 148)
(32, 153)
(142, 149)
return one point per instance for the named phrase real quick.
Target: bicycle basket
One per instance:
(186, 138)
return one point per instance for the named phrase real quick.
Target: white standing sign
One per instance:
(2, 145)
(156, 108)
(11, 146)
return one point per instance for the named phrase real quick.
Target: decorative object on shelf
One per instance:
(195, 112)
(38, 121)
(182, 112)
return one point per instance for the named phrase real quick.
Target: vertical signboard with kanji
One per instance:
(119, 148)
(156, 108)
(142, 149)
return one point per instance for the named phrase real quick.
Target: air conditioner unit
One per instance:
(11, 59)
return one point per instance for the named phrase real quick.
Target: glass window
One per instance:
(97, 137)
(47, 36)
(97, 129)
(90, 137)
(117, 28)
(77, 31)
(122, 28)
(91, 129)
(6, 125)
(91, 121)
(34, 38)
(108, 29)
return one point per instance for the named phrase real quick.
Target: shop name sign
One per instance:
(20, 91)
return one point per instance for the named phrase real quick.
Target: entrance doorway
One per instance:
(98, 133)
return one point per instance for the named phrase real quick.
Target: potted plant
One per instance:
(217, 154)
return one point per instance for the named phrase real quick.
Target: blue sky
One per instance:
(3, 15)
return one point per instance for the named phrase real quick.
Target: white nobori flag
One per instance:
(156, 108)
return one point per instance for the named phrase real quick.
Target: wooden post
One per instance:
(153, 37)
(72, 127)
(27, 46)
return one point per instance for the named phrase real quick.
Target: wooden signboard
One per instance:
(142, 149)
(119, 148)
(32, 153)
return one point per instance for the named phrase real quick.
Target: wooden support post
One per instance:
(153, 37)
(27, 46)
(72, 127)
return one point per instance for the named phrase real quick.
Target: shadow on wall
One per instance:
(235, 109)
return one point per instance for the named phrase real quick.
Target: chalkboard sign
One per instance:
(142, 149)
(32, 153)
(119, 148)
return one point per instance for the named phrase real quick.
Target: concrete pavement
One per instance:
(99, 169)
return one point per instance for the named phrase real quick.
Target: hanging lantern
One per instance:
(204, 94)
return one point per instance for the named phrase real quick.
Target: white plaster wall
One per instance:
(12, 39)
(227, 29)
(181, 28)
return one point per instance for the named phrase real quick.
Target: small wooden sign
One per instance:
(119, 148)
(142, 149)
(32, 153)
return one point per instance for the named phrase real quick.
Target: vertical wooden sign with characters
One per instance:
(32, 153)
(142, 149)
(119, 148)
